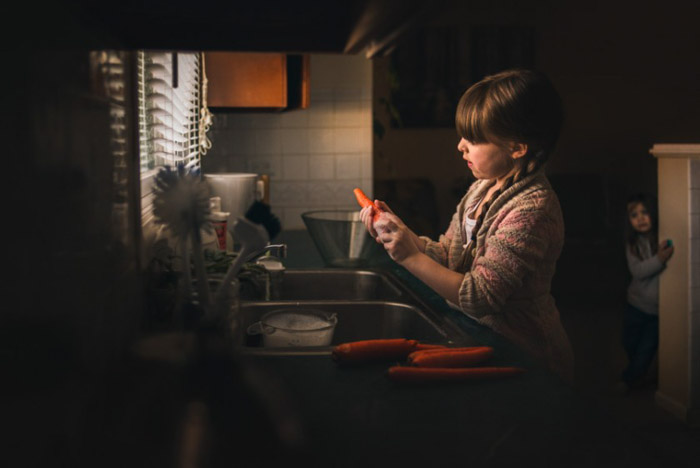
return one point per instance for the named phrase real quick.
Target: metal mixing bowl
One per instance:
(341, 238)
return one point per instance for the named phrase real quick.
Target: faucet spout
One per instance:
(279, 249)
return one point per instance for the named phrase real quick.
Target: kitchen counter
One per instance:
(190, 402)
(340, 416)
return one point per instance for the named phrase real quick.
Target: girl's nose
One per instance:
(462, 146)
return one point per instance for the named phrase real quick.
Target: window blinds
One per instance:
(169, 112)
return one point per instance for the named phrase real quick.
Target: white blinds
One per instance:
(169, 112)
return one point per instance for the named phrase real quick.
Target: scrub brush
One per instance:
(181, 201)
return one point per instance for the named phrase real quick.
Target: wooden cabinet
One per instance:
(271, 81)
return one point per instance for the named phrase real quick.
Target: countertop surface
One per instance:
(194, 403)
(356, 416)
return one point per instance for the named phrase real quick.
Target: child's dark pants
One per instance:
(640, 337)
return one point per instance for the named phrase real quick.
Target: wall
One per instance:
(679, 301)
(75, 256)
(625, 84)
(314, 156)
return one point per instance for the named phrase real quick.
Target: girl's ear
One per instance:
(518, 150)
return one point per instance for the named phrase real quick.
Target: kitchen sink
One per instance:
(367, 304)
(338, 284)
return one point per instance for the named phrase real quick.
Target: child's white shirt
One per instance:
(468, 225)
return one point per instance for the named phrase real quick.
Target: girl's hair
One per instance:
(513, 106)
(633, 236)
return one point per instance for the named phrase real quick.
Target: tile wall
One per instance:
(314, 156)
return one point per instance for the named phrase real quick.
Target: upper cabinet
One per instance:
(265, 81)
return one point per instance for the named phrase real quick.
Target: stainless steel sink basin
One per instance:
(368, 304)
(338, 284)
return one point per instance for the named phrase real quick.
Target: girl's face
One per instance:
(487, 160)
(639, 218)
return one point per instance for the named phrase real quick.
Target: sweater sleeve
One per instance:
(517, 247)
(439, 250)
(641, 269)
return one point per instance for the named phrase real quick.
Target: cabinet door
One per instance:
(242, 79)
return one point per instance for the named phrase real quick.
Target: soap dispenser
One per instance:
(218, 220)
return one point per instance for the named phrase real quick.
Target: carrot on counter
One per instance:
(450, 357)
(429, 347)
(375, 350)
(441, 349)
(364, 201)
(440, 374)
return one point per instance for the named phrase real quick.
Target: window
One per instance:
(170, 106)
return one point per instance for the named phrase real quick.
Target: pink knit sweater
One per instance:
(507, 285)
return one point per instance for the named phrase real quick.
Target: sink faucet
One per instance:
(274, 268)
(280, 249)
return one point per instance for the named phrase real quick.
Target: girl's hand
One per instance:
(398, 239)
(665, 251)
(367, 217)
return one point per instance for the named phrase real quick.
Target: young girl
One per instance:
(496, 260)
(646, 259)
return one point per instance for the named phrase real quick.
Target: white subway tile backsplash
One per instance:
(288, 194)
(320, 94)
(235, 164)
(291, 218)
(298, 118)
(321, 114)
(267, 120)
(342, 193)
(347, 140)
(366, 171)
(347, 93)
(271, 165)
(267, 141)
(236, 121)
(347, 166)
(348, 114)
(295, 167)
(315, 157)
(321, 192)
(294, 141)
(366, 136)
(321, 167)
(367, 186)
(322, 140)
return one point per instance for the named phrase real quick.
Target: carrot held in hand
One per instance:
(364, 201)
(374, 350)
(451, 357)
(407, 374)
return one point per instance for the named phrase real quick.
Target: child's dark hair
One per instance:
(513, 106)
(632, 236)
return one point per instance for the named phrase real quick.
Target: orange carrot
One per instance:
(450, 357)
(364, 201)
(376, 350)
(442, 349)
(427, 347)
(372, 350)
(440, 374)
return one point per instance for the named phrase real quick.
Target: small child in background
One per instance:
(646, 259)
